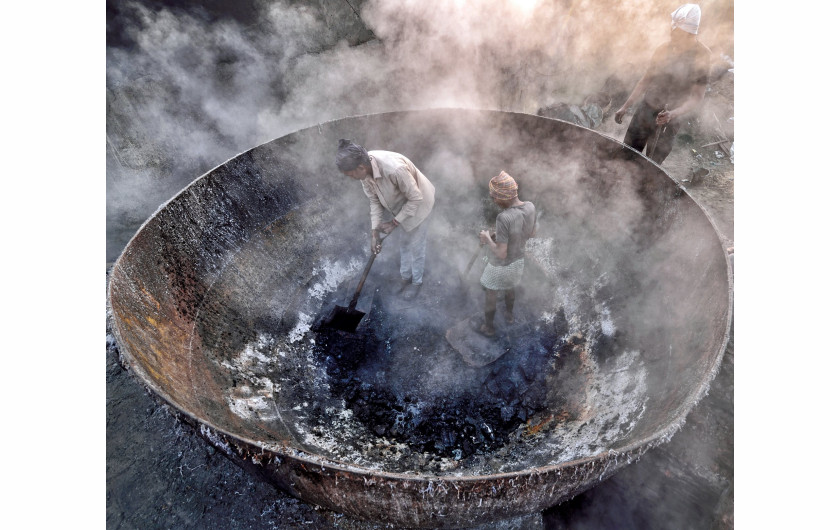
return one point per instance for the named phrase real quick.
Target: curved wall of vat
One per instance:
(216, 303)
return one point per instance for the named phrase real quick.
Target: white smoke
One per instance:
(192, 92)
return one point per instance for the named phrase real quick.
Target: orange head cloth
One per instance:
(503, 187)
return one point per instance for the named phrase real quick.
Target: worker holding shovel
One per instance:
(673, 86)
(393, 185)
(515, 224)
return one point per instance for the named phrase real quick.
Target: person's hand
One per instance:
(387, 227)
(375, 242)
(663, 117)
(619, 114)
(484, 237)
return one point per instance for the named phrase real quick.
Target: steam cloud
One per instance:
(188, 93)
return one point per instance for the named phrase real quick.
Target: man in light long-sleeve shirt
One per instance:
(396, 189)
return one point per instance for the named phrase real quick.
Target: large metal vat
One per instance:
(216, 301)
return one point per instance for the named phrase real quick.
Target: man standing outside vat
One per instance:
(515, 224)
(394, 185)
(673, 86)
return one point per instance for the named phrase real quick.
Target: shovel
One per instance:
(463, 276)
(659, 128)
(469, 265)
(348, 318)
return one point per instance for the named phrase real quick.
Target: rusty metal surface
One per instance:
(213, 303)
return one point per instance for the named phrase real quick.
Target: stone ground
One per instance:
(160, 474)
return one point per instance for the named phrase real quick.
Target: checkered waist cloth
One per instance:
(503, 277)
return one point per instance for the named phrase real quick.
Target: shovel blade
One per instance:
(476, 349)
(344, 319)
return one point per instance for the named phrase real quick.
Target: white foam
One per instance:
(251, 356)
(253, 403)
(607, 324)
(303, 325)
(617, 397)
(334, 272)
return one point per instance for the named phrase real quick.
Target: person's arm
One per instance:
(499, 249)
(499, 243)
(537, 215)
(377, 211)
(698, 91)
(408, 186)
(641, 87)
(634, 96)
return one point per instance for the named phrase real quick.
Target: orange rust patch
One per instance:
(551, 419)
(531, 430)
(150, 296)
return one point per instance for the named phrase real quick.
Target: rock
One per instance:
(507, 413)
(594, 113)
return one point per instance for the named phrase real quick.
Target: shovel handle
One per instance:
(659, 129)
(372, 257)
(472, 260)
(476, 253)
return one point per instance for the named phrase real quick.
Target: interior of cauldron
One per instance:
(220, 298)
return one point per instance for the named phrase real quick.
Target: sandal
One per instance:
(487, 332)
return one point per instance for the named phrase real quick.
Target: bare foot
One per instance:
(487, 332)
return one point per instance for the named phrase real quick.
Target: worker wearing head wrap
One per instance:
(503, 187)
(672, 87)
(394, 186)
(687, 18)
(515, 224)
